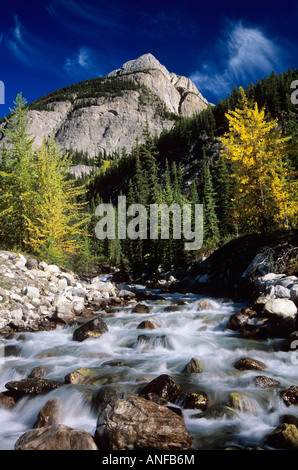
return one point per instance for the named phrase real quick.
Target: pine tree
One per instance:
(16, 171)
(211, 230)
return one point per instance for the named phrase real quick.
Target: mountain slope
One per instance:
(103, 115)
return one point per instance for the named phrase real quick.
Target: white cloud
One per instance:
(82, 59)
(243, 54)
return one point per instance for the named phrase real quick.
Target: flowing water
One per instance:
(178, 337)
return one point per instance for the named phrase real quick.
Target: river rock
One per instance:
(280, 308)
(91, 329)
(135, 423)
(51, 413)
(265, 382)
(291, 342)
(285, 436)
(31, 263)
(194, 400)
(141, 308)
(38, 372)
(243, 403)
(218, 411)
(246, 363)
(164, 386)
(290, 396)
(56, 437)
(193, 367)
(6, 401)
(32, 386)
(146, 324)
(80, 376)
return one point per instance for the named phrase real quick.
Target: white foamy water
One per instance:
(179, 336)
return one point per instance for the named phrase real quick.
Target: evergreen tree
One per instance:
(16, 171)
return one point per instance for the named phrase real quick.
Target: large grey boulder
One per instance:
(56, 437)
(280, 308)
(136, 423)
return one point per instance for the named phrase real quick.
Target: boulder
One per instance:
(32, 386)
(285, 436)
(136, 423)
(56, 437)
(164, 386)
(31, 292)
(6, 401)
(290, 396)
(146, 324)
(265, 382)
(193, 367)
(91, 329)
(246, 363)
(218, 411)
(280, 308)
(31, 263)
(50, 414)
(194, 400)
(243, 403)
(141, 308)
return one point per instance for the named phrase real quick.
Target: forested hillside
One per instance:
(239, 159)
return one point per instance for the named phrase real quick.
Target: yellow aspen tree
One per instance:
(264, 196)
(58, 220)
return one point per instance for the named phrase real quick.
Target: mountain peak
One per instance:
(144, 62)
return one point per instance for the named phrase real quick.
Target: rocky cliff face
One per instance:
(109, 123)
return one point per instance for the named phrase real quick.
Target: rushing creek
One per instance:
(180, 335)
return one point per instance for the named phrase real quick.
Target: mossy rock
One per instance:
(194, 366)
(285, 436)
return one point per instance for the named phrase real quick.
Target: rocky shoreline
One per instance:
(37, 296)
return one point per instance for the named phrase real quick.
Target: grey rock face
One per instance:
(114, 122)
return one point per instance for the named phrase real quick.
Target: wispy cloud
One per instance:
(23, 45)
(243, 54)
(82, 59)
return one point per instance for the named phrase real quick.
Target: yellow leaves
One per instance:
(256, 150)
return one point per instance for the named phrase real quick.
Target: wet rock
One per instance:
(56, 437)
(146, 324)
(246, 363)
(136, 423)
(32, 386)
(265, 382)
(80, 376)
(91, 329)
(6, 401)
(243, 403)
(51, 413)
(205, 304)
(38, 372)
(291, 342)
(164, 386)
(172, 308)
(194, 400)
(141, 308)
(193, 367)
(218, 411)
(285, 436)
(289, 419)
(290, 396)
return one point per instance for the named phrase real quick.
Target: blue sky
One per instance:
(45, 45)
